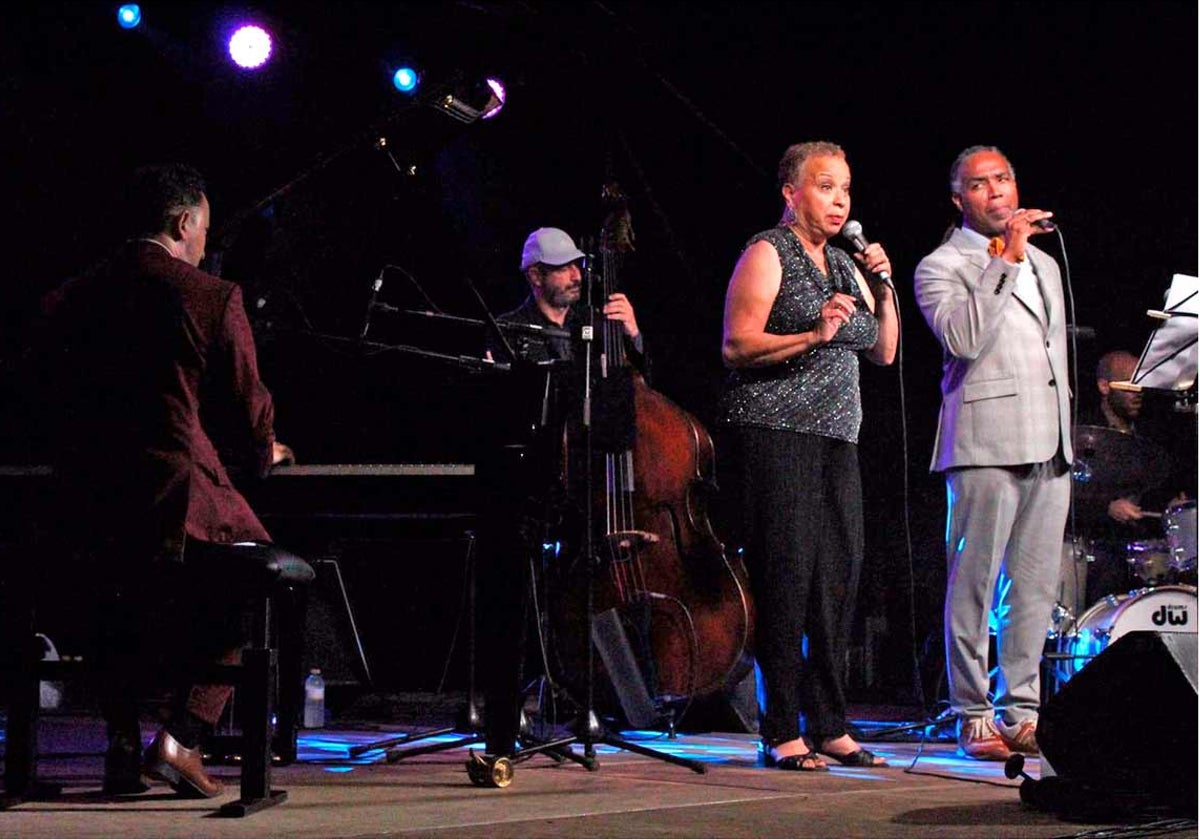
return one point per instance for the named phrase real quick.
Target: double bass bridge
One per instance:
(623, 543)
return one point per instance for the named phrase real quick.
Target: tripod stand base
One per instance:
(589, 732)
(469, 720)
(394, 755)
(622, 744)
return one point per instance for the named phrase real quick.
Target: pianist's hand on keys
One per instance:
(281, 453)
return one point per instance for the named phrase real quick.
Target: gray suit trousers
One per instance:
(1010, 518)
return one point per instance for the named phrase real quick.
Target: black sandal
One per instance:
(859, 758)
(808, 762)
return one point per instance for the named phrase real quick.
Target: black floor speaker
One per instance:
(1126, 723)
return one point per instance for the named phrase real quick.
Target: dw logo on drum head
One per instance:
(1175, 615)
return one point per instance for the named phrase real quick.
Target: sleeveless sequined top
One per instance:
(815, 392)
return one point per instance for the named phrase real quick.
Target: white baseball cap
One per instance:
(550, 246)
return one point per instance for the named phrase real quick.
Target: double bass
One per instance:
(684, 604)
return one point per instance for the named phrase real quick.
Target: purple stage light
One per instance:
(497, 88)
(250, 47)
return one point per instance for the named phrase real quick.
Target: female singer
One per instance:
(797, 314)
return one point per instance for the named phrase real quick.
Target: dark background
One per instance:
(688, 105)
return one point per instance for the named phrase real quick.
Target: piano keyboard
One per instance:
(349, 470)
(373, 470)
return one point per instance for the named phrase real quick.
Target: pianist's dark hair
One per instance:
(159, 193)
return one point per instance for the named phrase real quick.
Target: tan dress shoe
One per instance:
(179, 767)
(1020, 737)
(979, 738)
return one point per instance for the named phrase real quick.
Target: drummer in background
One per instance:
(1127, 522)
(1119, 410)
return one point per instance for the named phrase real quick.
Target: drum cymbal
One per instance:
(1109, 464)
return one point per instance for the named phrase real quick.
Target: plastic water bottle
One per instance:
(314, 700)
(50, 692)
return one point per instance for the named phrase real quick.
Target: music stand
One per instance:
(1168, 362)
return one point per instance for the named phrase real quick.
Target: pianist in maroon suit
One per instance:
(154, 369)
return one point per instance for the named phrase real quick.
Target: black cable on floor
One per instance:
(1154, 828)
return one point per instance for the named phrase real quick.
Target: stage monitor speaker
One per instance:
(1126, 723)
(611, 641)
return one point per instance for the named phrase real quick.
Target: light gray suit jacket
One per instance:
(1005, 387)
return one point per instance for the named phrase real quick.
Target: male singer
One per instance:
(995, 303)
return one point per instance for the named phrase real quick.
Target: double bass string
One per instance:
(627, 574)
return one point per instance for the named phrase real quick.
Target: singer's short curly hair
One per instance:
(793, 159)
(960, 161)
(157, 194)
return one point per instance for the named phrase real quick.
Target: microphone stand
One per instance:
(587, 730)
(469, 722)
(503, 326)
(498, 772)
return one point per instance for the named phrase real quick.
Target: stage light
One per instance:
(406, 80)
(482, 101)
(129, 15)
(250, 47)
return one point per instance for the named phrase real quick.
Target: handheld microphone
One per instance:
(853, 231)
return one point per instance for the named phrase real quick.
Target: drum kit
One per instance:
(1109, 465)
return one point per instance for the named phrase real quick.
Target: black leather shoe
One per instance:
(123, 768)
(180, 767)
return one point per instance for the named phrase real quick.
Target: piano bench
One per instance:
(266, 575)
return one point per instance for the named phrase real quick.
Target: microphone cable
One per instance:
(908, 546)
(914, 656)
(1073, 332)
(1077, 550)
(854, 235)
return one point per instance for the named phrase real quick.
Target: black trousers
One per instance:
(801, 504)
(158, 625)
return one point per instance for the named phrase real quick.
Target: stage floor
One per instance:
(926, 792)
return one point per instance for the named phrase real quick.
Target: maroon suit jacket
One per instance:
(154, 366)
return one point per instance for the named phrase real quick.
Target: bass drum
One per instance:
(1165, 609)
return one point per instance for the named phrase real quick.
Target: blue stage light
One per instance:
(250, 47)
(406, 79)
(129, 15)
